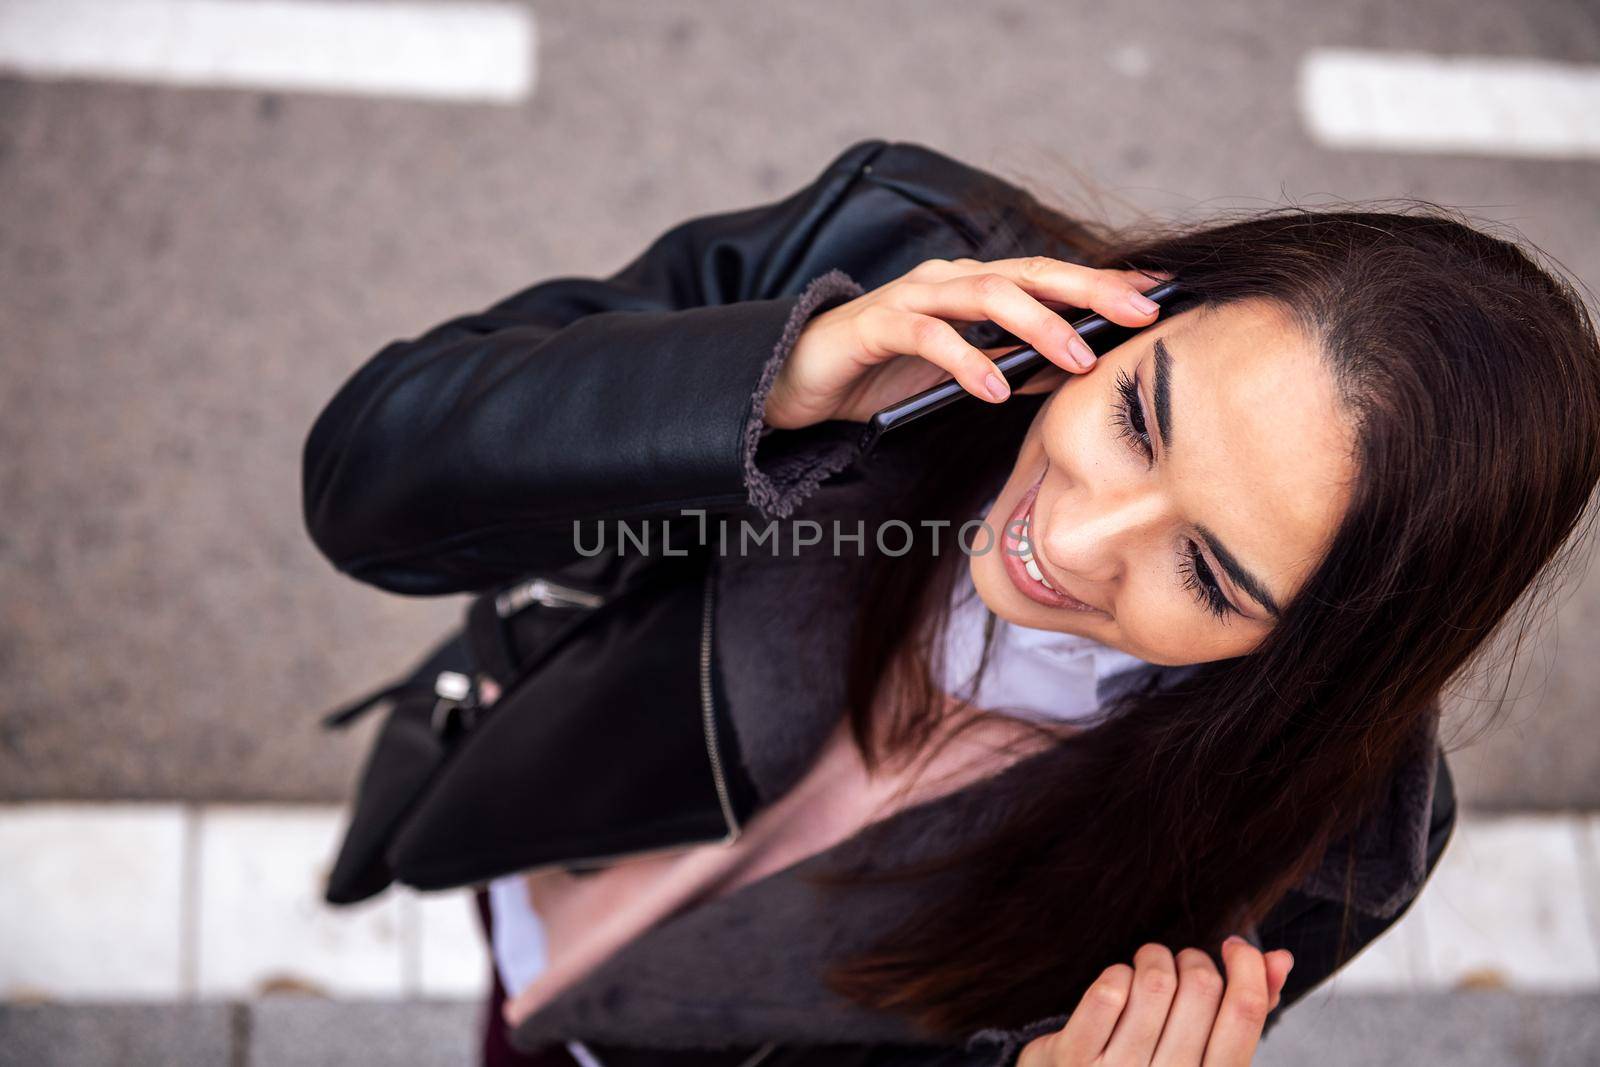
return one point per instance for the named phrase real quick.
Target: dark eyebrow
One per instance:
(1240, 577)
(1164, 392)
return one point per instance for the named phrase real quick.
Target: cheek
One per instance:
(1161, 624)
(1067, 423)
(1155, 626)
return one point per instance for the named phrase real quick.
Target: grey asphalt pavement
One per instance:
(1483, 1028)
(190, 273)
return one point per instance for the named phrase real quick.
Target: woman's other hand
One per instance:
(901, 337)
(1170, 1012)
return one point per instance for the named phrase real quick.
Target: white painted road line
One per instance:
(1481, 105)
(440, 50)
(91, 901)
(262, 919)
(96, 899)
(1513, 904)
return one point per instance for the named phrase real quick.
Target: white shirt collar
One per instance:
(1031, 672)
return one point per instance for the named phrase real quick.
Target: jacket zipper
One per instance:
(708, 711)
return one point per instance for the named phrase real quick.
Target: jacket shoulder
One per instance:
(999, 216)
(943, 183)
(875, 211)
(962, 192)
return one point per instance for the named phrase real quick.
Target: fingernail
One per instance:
(1291, 962)
(1080, 352)
(1231, 938)
(1142, 304)
(998, 389)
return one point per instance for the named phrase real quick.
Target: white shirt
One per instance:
(1031, 673)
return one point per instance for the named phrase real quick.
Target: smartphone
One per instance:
(1099, 332)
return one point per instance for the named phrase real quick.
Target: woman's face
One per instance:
(1178, 494)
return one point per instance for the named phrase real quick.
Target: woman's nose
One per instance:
(1093, 535)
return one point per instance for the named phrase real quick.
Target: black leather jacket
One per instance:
(658, 699)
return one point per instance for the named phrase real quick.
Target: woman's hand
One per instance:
(1167, 1012)
(897, 340)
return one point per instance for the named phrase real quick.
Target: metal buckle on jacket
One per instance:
(543, 591)
(458, 705)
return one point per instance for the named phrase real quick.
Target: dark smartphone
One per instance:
(1099, 332)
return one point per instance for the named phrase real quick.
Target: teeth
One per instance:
(1025, 547)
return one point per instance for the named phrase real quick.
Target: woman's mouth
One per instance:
(1017, 553)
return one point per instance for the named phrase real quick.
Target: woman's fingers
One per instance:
(1245, 1003)
(894, 332)
(1194, 1010)
(1155, 982)
(1087, 1031)
(1168, 1011)
(851, 360)
(1012, 293)
(1279, 962)
(1000, 299)
(1110, 291)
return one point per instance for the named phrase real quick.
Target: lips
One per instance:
(1014, 550)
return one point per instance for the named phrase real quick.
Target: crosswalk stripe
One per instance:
(1418, 102)
(482, 52)
(91, 896)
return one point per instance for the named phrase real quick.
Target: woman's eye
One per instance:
(1197, 576)
(1128, 414)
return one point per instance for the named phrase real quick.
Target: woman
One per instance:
(1301, 504)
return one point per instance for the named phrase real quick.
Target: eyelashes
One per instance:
(1127, 414)
(1198, 577)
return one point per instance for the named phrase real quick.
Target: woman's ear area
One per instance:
(1042, 381)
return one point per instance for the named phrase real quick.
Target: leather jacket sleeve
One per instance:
(460, 458)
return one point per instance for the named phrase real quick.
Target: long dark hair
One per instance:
(1472, 374)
